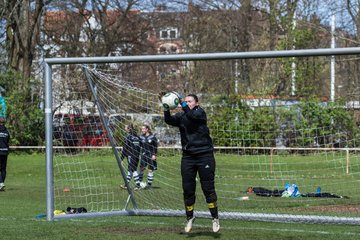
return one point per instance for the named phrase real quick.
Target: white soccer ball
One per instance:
(170, 100)
(143, 184)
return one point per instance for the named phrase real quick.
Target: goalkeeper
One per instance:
(131, 150)
(197, 157)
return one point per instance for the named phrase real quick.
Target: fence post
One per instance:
(271, 160)
(347, 161)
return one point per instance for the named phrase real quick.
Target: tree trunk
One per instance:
(22, 35)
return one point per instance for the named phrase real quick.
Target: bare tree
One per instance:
(227, 25)
(352, 7)
(96, 27)
(22, 34)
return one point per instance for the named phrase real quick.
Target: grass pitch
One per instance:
(25, 198)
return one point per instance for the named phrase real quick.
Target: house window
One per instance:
(172, 34)
(169, 33)
(164, 34)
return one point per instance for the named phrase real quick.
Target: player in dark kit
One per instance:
(148, 154)
(197, 157)
(131, 150)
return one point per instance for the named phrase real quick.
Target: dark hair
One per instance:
(130, 126)
(147, 126)
(194, 96)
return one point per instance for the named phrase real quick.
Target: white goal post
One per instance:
(90, 174)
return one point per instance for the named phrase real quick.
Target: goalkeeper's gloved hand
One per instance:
(183, 104)
(181, 100)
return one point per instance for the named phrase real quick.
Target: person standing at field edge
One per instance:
(4, 151)
(197, 157)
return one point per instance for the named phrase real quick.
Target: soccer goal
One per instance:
(283, 153)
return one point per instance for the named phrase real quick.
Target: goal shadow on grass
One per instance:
(201, 233)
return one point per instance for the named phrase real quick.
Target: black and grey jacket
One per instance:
(132, 146)
(149, 144)
(192, 123)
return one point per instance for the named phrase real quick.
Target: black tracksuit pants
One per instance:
(3, 163)
(204, 164)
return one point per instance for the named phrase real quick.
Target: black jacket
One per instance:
(192, 123)
(131, 147)
(4, 140)
(149, 144)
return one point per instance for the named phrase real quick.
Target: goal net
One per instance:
(279, 157)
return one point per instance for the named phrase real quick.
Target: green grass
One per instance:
(95, 174)
(25, 198)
